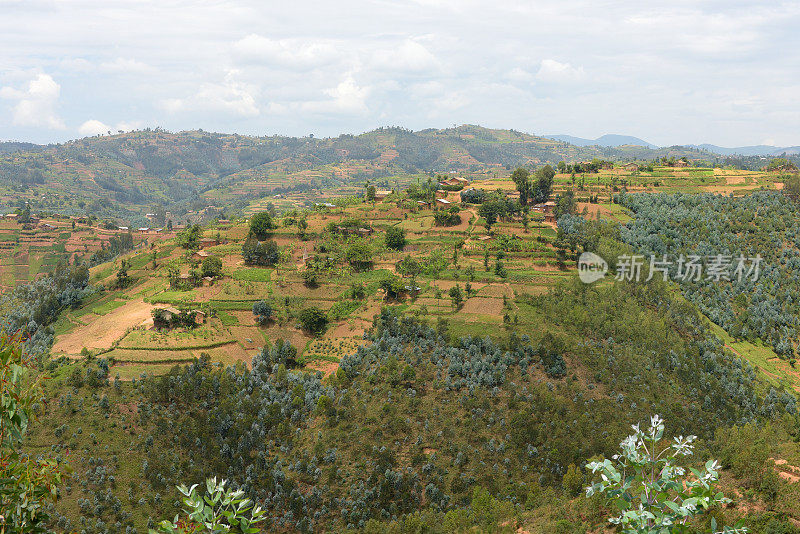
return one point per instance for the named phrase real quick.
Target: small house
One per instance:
(681, 163)
(443, 201)
(381, 194)
(206, 242)
(201, 255)
(631, 167)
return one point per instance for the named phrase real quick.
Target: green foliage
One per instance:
(313, 320)
(395, 238)
(359, 254)
(256, 252)
(220, 510)
(189, 238)
(212, 266)
(651, 491)
(263, 311)
(26, 483)
(261, 225)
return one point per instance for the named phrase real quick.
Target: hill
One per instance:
(464, 377)
(607, 140)
(124, 177)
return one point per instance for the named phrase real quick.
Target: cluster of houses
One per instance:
(456, 181)
(547, 209)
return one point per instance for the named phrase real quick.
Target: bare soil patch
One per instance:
(483, 306)
(103, 330)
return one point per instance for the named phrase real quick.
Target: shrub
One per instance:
(212, 266)
(395, 238)
(313, 320)
(263, 311)
(650, 491)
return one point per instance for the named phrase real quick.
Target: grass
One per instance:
(107, 307)
(252, 274)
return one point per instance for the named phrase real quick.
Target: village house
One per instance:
(381, 194)
(200, 255)
(631, 167)
(681, 163)
(443, 201)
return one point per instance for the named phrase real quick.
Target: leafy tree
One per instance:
(395, 238)
(653, 493)
(456, 295)
(522, 179)
(212, 266)
(544, 183)
(189, 238)
(565, 204)
(27, 482)
(359, 254)
(371, 193)
(313, 320)
(123, 279)
(261, 224)
(256, 252)
(263, 311)
(220, 510)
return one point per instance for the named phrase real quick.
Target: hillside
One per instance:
(462, 381)
(127, 175)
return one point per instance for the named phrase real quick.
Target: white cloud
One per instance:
(346, 98)
(230, 96)
(518, 74)
(95, 127)
(410, 56)
(553, 71)
(125, 66)
(36, 103)
(291, 53)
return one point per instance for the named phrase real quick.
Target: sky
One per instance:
(678, 72)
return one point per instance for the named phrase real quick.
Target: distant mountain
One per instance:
(608, 140)
(755, 150)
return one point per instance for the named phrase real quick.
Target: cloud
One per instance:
(230, 96)
(553, 71)
(346, 98)
(95, 127)
(410, 56)
(125, 66)
(36, 103)
(518, 74)
(290, 53)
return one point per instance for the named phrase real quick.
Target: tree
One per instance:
(521, 178)
(544, 183)
(565, 204)
(190, 237)
(562, 167)
(28, 481)
(261, 224)
(263, 311)
(220, 510)
(123, 279)
(313, 320)
(650, 491)
(456, 296)
(395, 238)
(371, 193)
(359, 254)
(256, 252)
(212, 266)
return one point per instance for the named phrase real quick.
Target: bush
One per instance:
(212, 266)
(263, 311)
(395, 238)
(313, 320)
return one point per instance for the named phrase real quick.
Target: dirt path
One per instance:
(101, 331)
